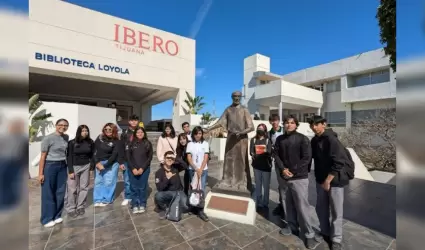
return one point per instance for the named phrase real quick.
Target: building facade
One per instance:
(343, 91)
(77, 55)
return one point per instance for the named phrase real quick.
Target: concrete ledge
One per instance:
(230, 207)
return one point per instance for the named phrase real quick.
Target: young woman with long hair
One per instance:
(52, 174)
(106, 161)
(139, 155)
(197, 156)
(181, 158)
(80, 154)
(166, 142)
(260, 151)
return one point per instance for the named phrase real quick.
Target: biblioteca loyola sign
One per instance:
(131, 40)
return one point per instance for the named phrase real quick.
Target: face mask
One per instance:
(260, 132)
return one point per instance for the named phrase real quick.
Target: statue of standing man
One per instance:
(238, 123)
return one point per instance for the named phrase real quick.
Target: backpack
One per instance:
(349, 166)
(174, 212)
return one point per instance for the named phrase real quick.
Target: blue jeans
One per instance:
(53, 190)
(139, 186)
(204, 178)
(105, 182)
(262, 182)
(126, 175)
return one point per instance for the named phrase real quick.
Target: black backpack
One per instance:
(349, 165)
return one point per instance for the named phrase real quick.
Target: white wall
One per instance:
(80, 33)
(355, 64)
(74, 32)
(94, 117)
(253, 64)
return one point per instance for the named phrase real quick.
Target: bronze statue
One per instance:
(238, 123)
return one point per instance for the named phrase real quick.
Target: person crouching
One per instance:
(168, 183)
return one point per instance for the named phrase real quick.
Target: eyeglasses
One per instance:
(63, 125)
(107, 129)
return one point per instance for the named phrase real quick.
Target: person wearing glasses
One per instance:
(107, 146)
(167, 181)
(53, 174)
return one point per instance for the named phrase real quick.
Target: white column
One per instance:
(146, 113)
(178, 105)
(318, 111)
(281, 111)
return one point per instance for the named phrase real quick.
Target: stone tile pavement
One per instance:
(114, 227)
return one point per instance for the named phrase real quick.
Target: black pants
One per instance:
(164, 198)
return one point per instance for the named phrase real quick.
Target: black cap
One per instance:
(133, 117)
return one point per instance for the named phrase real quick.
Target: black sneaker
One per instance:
(311, 243)
(286, 230)
(336, 246)
(72, 214)
(162, 215)
(203, 216)
(81, 211)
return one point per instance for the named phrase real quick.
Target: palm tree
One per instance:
(206, 118)
(34, 120)
(194, 105)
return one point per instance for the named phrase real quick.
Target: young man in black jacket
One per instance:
(293, 158)
(125, 140)
(332, 174)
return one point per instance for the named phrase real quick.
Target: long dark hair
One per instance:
(265, 131)
(195, 131)
(173, 132)
(180, 148)
(79, 138)
(134, 138)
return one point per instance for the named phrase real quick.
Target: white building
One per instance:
(77, 55)
(341, 91)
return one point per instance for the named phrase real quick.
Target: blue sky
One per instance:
(294, 34)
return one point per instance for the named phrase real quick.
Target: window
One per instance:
(336, 119)
(371, 78)
(317, 87)
(360, 115)
(264, 82)
(333, 86)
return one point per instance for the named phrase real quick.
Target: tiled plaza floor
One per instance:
(114, 227)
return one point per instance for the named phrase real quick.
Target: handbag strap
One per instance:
(170, 145)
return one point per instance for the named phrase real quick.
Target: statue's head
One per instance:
(236, 97)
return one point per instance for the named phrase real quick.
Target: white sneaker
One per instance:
(103, 204)
(135, 210)
(97, 204)
(125, 202)
(50, 224)
(58, 220)
(141, 210)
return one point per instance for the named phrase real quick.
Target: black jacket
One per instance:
(106, 149)
(139, 154)
(125, 140)
(172, 184)
(293, 151)
(261, 162)
(79, 153)
(330, 157)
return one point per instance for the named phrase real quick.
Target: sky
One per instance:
(294, 34)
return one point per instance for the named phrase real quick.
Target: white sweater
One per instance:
(165, 144)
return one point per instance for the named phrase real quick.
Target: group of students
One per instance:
(291, 153)
(65, 165)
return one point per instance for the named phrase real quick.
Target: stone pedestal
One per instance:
(230, 207)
